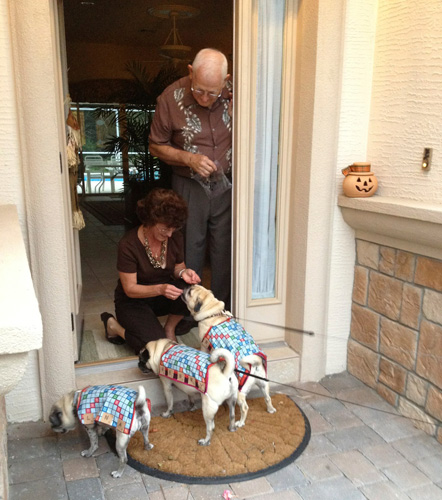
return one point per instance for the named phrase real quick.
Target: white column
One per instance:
(36, 73)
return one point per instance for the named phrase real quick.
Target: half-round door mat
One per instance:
(267, 443)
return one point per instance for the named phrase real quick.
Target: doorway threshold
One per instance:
(117, 371)
(96, 366)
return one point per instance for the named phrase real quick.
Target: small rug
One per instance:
(95, 347)
(109, 212)
(267, 443)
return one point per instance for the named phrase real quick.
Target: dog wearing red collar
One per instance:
(218, 329)
(194, 373)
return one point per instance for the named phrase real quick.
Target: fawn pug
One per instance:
(217, 329)
(194, 372)
(100, 407)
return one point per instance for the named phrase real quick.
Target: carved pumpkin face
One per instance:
(360, 184)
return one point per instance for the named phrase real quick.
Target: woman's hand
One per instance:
(170, 291)
(190, 277)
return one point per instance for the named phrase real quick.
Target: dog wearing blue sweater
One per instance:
(100, 408)
(218, 329)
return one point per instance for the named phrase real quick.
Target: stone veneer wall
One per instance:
(395, 343)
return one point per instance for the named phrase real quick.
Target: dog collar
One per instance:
(227, 314)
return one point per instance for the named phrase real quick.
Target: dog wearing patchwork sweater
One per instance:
(194, 372)
(218, 329)
(100, 408)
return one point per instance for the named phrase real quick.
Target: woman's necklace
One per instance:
(156, 263)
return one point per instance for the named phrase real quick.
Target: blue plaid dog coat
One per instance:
(186, 365)
(232, 336)
(112, 405)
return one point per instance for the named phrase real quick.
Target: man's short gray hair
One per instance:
(210, 60)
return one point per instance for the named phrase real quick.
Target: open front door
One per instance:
(72, 239)
(264, 114)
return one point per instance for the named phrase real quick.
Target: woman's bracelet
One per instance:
(181, 272)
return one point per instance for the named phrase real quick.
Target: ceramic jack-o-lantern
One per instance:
(359, 181)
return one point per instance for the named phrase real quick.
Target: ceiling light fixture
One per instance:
(173, 47)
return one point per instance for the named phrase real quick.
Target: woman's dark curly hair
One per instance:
(162, 206)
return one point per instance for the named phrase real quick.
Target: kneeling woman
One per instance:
(152, 273)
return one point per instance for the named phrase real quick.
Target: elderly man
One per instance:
(192, 132)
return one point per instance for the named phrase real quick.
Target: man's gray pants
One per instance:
(209, 221)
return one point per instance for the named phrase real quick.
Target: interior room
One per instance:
(120, 56)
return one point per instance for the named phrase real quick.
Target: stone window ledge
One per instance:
(409, 225)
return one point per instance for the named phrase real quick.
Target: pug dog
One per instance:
(193, 372)
(100, 407)
(217, 328)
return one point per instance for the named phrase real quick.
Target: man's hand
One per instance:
(201, 165)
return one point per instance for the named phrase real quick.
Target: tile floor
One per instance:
(359, 448)
(98, 244)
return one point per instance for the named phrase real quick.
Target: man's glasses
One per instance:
(204, 92)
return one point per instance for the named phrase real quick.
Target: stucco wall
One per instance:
(320, 238)
(340, 95)
(391, 108)
(27, 405)
(356, 79)
(406, 113)
(24, 403)
(31, 82)
(11, 191)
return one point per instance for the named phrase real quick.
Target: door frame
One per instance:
(72, 236)
(251, 311)
(245, 75)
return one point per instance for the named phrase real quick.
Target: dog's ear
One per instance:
(143, 356)
(197, 306)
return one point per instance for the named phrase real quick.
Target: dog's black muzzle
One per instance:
(56, 422)
(143, 358)
(55, 419)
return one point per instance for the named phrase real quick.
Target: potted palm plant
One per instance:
(141, 171)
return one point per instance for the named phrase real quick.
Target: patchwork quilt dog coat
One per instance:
(112, 405)
(232, 336)
(186, 365)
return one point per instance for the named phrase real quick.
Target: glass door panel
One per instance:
(268, 112)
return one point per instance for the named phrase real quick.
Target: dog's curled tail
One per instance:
(141, 407)
(221, 354)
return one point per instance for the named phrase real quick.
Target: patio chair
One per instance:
(94, 165)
